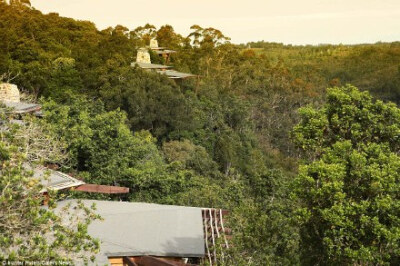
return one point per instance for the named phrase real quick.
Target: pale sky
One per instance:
(287, 21)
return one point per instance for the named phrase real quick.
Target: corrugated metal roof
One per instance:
(137, 229)
(56, 180)
(149, 66)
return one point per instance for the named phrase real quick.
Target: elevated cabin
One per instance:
(161, 51)
(143, 61)
(152, 234)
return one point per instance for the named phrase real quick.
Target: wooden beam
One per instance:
(206, 213)
(116, 261)
(128, 261)
(46, 199)
(153, 261)
(102, 189)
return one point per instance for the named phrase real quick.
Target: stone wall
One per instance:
(143, 56)
(153, 43)
(9, 92)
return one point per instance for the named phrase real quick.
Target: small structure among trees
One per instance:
(143, 60)
(11, 98)
(161, 51)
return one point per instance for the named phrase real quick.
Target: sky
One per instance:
(285, 21)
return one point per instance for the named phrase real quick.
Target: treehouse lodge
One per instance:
(161, 51)
(143, 61)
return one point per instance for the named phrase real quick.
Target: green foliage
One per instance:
(29, 232)
(191, 156)
(349, 190)
(264, 229)
(167, 37)
(65, 81)
(221, 140)
(348, 115)
(101, 144)
(151, 101)
(207, 37)
(143, 35)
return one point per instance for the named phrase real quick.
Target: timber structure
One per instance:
(161, 51)
(143, 61)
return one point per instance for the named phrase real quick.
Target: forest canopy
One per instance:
(307, 164)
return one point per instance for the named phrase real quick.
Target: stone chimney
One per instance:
(143, 56)
(9, 92)
(153, 43)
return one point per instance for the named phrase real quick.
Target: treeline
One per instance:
(223, 140)
(372, 67)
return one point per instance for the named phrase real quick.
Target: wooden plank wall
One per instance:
(147, 260)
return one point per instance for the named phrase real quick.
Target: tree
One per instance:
(103, 148)
(191, 156)
(65, 81)
(349, 189)
(167, 37)
(142, 35)
(151, 101)
(25, 3)
(210, 37)
(28, 231)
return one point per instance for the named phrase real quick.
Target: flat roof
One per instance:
(158, 48)
(176, 75)
(138, 229)
(22, 107)
(165, 52)
(56, 180)
(149, 65)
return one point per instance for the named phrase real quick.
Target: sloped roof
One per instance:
(137, 229)
(175, 74)
(22, 107)
(56, 180)
(149, 65)
(158, 48)
(165, 51)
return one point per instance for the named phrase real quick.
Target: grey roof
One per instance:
(165, 51)
(175, 74)
(56, 180)
(149, 65)
(135, 229)
(22, 107)
(17, 122)
(158, 48)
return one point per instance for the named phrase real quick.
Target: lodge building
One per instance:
(132, 233)
(143, 61)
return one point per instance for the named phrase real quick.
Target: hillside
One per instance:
(222, 140)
